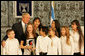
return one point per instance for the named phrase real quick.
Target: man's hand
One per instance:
(3, 43)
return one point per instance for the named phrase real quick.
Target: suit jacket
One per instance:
(17, 27)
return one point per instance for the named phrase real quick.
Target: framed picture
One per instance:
(22, 7)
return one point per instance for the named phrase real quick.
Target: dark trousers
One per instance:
(22, 51)
(42, 53)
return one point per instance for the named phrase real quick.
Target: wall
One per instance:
(65, 12)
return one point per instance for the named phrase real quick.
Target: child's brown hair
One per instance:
(56, 33)
(8, 31)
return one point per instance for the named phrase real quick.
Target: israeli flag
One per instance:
(52, 12)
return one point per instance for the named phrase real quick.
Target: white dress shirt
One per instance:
(23, 26)
(43, 44)
(12, 47)
(75, 36)
(56, 47)
(67, 49)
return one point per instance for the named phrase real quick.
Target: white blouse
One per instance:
(67, 49)
(75, 37)
(56, 46)
(43, 44)
(82, 49)
(28, 51)
(12, 47)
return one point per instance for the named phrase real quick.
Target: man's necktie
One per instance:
(25, 27)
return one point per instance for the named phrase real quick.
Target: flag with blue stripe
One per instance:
(52, 12)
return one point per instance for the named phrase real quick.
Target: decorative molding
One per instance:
(15, 9)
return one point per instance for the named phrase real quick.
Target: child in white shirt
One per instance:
(12, 44)
(66, 42)
(43, 42)
(55, 43)
(78, 38)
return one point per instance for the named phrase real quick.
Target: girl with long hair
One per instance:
(56, 26)
(55, 43)
(37, 24)
(66, 41)
(28, 42)
(78, 37)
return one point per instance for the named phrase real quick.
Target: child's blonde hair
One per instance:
(67, 34)
(56, 33)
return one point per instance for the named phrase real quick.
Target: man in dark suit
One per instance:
(19, 28)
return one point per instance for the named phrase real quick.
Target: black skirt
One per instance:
(77, 53)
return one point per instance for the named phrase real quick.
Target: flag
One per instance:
(52, 12)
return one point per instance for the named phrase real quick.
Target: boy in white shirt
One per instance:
(43, 42)
(12, 44)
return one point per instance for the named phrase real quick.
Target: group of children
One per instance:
(71, 42)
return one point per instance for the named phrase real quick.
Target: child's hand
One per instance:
(29, 47)
(3, 43)
(33, 48)
(82, 53)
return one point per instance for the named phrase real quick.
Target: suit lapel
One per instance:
(21, 28)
